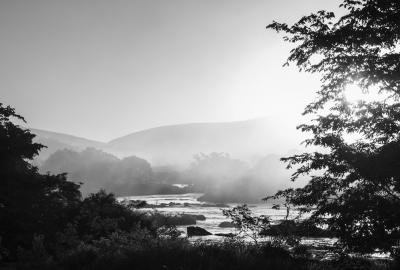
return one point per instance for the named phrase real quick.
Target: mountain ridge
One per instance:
(63, 136)
(185, 124)
(178, 143)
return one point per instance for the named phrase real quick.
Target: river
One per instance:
(214, 216)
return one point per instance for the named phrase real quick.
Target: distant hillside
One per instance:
(56, 141)
(64, 138)
(178, 143)
(242, 139)
(259, 142)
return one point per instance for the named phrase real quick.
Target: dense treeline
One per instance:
(220, 177)
(97, 169)
(229, 180)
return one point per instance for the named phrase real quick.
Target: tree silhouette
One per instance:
(97, 169)
(216, 167)
(358, 195)
(29, 202)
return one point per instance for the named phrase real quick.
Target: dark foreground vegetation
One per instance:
(139, 249)
(46, 224)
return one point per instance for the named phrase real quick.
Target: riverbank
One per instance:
(106, 234)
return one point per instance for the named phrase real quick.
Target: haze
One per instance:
(125, 93)
(103, 69)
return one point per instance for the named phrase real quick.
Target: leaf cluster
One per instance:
(357, 192)
(246, 223)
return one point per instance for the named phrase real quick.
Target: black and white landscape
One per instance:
(202, 134)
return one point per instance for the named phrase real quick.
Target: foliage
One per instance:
(16, 143)
(170, 174)
(224, 179)
(29, 202)
(97, 169)
(246, 223)
(100, 214)
(3, 251)
(215, 167)
(48, 209)
(137, 249)
(358, 195)
(220, 177)
(283, 234)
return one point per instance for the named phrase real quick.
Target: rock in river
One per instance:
(197, 231)
(181, 220)
(196, 217)
(225, 234)
(226, 224)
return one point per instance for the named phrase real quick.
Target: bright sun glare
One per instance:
(353, 93)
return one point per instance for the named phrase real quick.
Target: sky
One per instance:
(104, 69)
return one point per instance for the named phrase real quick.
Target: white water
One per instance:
(214, 216)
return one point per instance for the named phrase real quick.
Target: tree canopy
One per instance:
(29, 202)
(217, 167)
(358, 194)
(97, 169)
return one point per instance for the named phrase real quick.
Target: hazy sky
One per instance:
(103, 69)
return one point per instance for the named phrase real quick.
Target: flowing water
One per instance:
(214, 215)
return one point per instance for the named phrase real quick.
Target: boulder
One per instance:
(181, 220)
(225, 234)
(226, 224)
(197, 231)
(197, 217)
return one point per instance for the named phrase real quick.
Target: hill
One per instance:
(56, 141)
(260, 142)
(241, 139)
(245, 140)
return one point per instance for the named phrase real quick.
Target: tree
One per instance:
(216, 167)
(100, 214)
(16, 144)
(358, 195)
(246, 223)
(93, 167)
(29, 202)
(133, 169)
